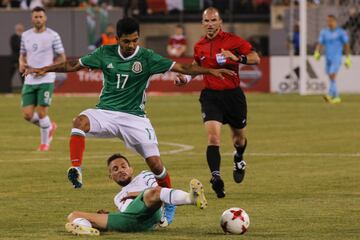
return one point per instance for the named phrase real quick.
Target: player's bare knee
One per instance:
(81, 122)
(28, 116)
(213, 140)
(154, 193)
(152, 197)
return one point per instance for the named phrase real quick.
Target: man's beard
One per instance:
(124, 183)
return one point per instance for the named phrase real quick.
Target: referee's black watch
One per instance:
(242, 59)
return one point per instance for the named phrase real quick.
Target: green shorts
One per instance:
(37, 95)
(136, 218)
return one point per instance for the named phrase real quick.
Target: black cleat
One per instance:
(239, 169)
(218, 186)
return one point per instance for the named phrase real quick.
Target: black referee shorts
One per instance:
(225, 106)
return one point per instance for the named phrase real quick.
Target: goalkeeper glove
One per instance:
(348, 61)
(317, 55)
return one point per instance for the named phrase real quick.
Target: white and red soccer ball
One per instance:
(235, 221)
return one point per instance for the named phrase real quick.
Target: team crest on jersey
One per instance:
(137, 67)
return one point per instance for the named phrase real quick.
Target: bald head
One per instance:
(212, 11)
(211, 22)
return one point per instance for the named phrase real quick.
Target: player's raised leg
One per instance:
(81, 125)
(155, 196)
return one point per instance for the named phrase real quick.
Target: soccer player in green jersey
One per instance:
(120, 113)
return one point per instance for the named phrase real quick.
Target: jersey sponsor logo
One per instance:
(290, 82)
(220, 59)
(110, 65)
(137, 67)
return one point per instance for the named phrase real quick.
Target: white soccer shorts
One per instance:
(136, 132)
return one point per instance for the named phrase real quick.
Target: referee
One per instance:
(222, 100)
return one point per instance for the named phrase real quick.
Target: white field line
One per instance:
(289, 154)
(179, 149)
(186, 150)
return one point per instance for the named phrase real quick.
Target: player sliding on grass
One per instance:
(139, 202)
(120, 113)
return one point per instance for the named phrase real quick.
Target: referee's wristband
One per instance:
(243, 59)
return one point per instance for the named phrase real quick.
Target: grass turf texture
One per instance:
(302, 179)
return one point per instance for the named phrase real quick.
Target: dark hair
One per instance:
(332, 16)
(127, 26)
(38, 9)
(116, 156)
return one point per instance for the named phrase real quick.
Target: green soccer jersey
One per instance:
(125, 79)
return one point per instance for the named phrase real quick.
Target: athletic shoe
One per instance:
(52, 131)
(327, 98)
(218, 186)
(197, 193)
(163, 221)
(77, 229)
(335, 100)
(239, 169)
(75, 176)
(43, 148)
(169, 211)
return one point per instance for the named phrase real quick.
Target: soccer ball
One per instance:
(235, 221)
(82, 222)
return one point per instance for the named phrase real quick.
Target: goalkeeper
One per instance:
(334, 39)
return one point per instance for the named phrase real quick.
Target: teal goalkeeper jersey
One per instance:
(125, 79)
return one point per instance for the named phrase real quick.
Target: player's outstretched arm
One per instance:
(182, 79)
(193, 69)
(67, 66)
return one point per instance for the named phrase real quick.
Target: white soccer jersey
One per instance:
(144, 180)
(40, 50)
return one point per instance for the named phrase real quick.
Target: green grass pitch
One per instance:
(302, 180)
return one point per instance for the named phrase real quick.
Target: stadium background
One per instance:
(265, 25)
(302, 180)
